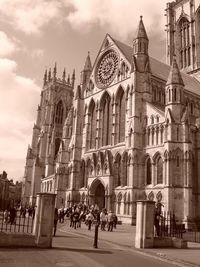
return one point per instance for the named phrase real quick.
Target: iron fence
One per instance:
(167, 225)
(18, 223)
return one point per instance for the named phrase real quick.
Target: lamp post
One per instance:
(95, 245)
(97, 222)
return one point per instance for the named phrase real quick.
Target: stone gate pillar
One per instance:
(145, 224)
(44, 218)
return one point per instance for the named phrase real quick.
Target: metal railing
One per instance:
(16, 223)
(166, 225)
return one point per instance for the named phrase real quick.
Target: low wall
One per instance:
(169, 242)
(16, 240)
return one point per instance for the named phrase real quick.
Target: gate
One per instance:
(16, 222)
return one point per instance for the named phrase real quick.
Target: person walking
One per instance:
(103, 219)
(110, 221)
(55, 221)
(90, 219)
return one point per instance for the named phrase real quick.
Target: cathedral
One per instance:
(129, 131)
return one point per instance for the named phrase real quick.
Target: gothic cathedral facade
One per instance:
(129, 131)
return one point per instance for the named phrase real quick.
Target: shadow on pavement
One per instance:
(83, 250)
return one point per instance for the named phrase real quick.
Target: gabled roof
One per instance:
(160, 69)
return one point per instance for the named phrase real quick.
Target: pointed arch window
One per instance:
(148, 172)
(184, 43)
(125, 169)
(159, 170)
(106, 121)
(118, 171)
(92, 129)
(59, 112)
(82, 174)
(57, 146)
(122, 114)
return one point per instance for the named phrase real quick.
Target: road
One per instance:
(73, 250)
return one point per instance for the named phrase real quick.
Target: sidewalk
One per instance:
(124, 236)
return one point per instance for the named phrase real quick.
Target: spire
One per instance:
(49, 75)
(45, 77)
(55, 71)
(174, 74)
(73, 78)
(141, 32)
(78, 92)
(64, 75)
(68, 79)
(141, 41)
(88, 65)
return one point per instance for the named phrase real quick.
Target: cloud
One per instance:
(120, 17)
(29, 16)
(37, 53)
(7, 46)
(19, 98)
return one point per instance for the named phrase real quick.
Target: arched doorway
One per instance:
(97, 194)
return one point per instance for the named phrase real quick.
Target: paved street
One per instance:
(75, 248)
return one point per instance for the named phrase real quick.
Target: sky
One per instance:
(36, 34)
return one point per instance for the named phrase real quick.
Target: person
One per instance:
(75, 218)
(115, 219)
(12, 215)
(5, 214)
(103, 219)
(110, 221)
(157, 217)
(55, 221)
(89, 219)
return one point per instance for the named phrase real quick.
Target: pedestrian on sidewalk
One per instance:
(103, 219)
(55, 221)
(89, 219)
(110, 221)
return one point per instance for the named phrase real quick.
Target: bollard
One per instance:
(95, 245)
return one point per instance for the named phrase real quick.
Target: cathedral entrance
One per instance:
(97, 195)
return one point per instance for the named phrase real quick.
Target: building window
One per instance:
(159, 171)
(106, 121)
(59, 113)
(82, 174)
(125, 169)
(57, 146)
(184, 31)
(148, 171)
(118, 171)
(122, 104)
(92, 130)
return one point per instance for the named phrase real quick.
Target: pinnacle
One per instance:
(88, 65)
(174, 74)
(141, 32)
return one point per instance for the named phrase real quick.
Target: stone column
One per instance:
(145, 224)
(44, 217)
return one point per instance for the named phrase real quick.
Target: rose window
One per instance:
(106, 69)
